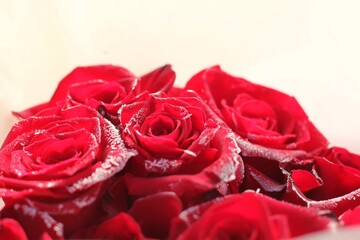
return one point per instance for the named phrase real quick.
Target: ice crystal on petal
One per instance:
(191, 214)
(228, 173)
(206, 138)
(84, 201)
(161, 165)
(49, 222)
(39, 131)
(115, 158)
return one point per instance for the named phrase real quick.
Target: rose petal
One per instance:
(155, 212)
(11, 229)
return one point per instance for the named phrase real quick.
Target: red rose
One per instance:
(246, 216)
(182, 147)
(259, 114)
(105, 88)
(59, 164)
(329, 182)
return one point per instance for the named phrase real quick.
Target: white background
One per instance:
(309, 49)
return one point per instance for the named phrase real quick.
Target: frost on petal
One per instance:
(162, 165)
(30, 217)
(114, 157)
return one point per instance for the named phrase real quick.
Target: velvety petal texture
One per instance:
(259, 114)
(248, 215)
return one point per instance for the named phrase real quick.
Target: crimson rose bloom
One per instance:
(246, 216)
(56, 166)
(328, 182)
(182, 147)
(259, 114)
(105, 88)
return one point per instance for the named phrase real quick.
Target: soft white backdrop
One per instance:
(309, 49)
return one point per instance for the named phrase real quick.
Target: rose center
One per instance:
(58, 151)
(260, 112)
(161, 125)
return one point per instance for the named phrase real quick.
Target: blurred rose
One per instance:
(246, 216)
(11, 229)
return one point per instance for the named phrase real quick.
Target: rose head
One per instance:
(60, 163)
(105, 88)
(182, 146)
(101, 85)
(246, 216)
(259, 114)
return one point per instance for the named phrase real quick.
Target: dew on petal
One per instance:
(114, 160)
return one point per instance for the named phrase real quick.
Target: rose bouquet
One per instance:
(117, 156)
